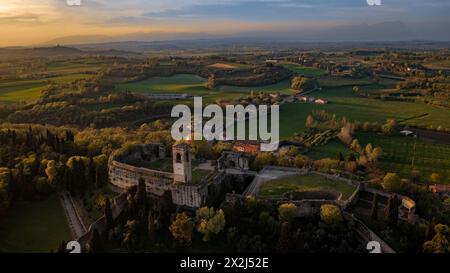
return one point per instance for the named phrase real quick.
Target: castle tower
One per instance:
(182, 168)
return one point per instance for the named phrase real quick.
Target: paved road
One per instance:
(76, 225)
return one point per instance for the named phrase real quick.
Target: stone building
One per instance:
(148, 162)
(182, 166)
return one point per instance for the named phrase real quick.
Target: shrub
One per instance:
(287, 212)
(330, 214)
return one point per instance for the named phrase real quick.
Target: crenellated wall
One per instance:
(124, 175)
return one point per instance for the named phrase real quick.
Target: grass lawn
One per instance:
(309, 182)
(306, 71)
(329, 150)
(198, 175)
(34, 227)
(284, 87)
(73, 67)
(229, 65)
(182, 83)
(163, 165)
(334, 81)
(196, 86)
(398, 152)
(92, 205)
(344, 103)
(30, 90)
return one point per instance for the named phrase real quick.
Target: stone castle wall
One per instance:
(123, 175)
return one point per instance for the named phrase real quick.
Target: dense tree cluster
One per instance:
(38, 160)
(302, 84)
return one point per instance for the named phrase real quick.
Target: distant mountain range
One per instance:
(134, 45)
(385, 31)
(56, 51)
(137, 37)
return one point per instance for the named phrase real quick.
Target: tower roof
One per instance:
(181, 145)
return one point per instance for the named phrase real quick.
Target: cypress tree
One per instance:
(391, 211)
(81, 173)
(96, 244)
(108, 215)
(374, 213)
(388, 211)
(141, 194)
(340, 156)
(396, 203)
(284, 241)
(430, 232)
(91, 172)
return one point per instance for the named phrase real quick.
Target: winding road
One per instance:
(73, 219)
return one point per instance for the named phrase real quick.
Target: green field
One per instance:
(306, 71)
(229, 65)
(195, 85)
(284, 87)
(34, 227)
(182, 83)
(438, 64)
(310, 182)
(398, 154)
(344, 103)
(30, 90)
(329, 150)
(163, 165)
(74, 66)
(65, 71)
(333, 81)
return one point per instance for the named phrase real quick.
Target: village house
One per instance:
(304, 98)
(274, 95)
(321, 101)
(247, 147)
(407, 133)
(442, 190)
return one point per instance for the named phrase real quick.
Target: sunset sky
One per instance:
(28, 22)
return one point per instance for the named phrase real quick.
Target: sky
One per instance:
(28, 22)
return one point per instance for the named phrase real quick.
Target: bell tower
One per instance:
(182, 168)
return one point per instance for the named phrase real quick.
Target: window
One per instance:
(178, 158)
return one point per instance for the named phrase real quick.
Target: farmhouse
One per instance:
(271, 61)
(407, 133)
(274, 95)
(443, 190)
(247, 147)
(321, 101)
(304, 98)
